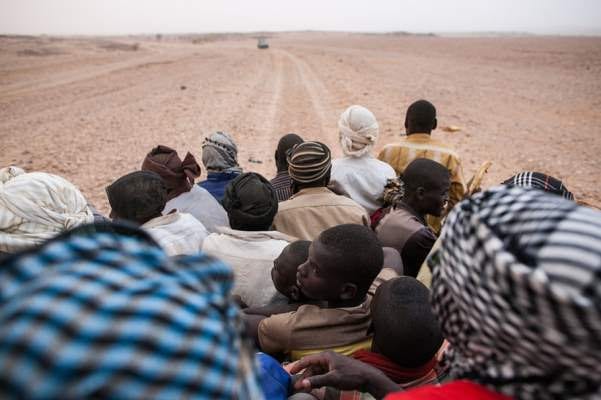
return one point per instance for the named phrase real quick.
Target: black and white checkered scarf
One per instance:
(517, 291)
(538, 180)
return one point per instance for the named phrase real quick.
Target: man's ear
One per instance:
(419, 192)
(295, 293)
(435, 124)
(348, 291)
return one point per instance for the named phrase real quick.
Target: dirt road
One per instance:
(90, 109)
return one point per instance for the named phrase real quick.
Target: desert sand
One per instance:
(89, 109)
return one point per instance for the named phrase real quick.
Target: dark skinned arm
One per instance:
(252, 321)
(343, 373)
(269, 310)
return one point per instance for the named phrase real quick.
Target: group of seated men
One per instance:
(354, 278)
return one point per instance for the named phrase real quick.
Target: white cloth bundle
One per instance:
(358, 131)
(36, 206)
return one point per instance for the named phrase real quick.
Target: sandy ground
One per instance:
(90, 109)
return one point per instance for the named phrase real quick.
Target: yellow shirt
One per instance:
(421, 145)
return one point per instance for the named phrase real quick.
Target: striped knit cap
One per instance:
(516, 289)
(309, 162)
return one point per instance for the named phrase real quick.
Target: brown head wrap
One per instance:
(178, 175)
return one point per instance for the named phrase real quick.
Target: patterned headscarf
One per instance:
(358, 131)
(250, 202)
(178, 175)
(220, 153)
(309, 162)
(538, 180)
(104, 313)
(37, 206)
(517, 290)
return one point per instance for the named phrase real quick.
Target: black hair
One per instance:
(298, 253)
(358, 253)
(286, 143)
(250, 202)
(405, 328)
(420, 117)
(138, 196)
(425, 173)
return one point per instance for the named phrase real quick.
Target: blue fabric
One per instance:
(110, 315)
(217, 182)
(274, 380)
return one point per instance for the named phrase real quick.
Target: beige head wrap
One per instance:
(358, 131)
(36, 206)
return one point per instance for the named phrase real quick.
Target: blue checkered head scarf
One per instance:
(516, 288)
(104, 312)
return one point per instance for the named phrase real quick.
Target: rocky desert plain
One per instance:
(89, 109)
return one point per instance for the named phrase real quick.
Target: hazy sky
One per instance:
(178, 16)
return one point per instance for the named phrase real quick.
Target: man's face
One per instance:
(318, 278)
(283, 275)
(434, 200)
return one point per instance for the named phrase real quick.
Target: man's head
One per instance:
(405, 329)
(137, 197)
(358, 130)
(426, 184)
(309, 165)
(219, 152)
(178, 175)
(420, 117)
(286, 143)
(250, 202)
(343, 262)
(285, 267)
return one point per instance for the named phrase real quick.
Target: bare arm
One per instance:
(252, 326)
(341, 372)
(269, 310)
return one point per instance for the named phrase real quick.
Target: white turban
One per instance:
(358, 131)
(37, 206)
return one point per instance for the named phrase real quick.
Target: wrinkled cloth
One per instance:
(178, 175)
(251, 255)
(407, 376)
(220, 153)
(312, 210)
(358, 130)
(177, 233)
(515, 288)
(405, 231)
(422, 145)
(538, 180)
(250, 202)
(202, 205)
(36, 206)
(109, 315)
(309, 162)
(463, 390)
(363, 179)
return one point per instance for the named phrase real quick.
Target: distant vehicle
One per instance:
(262, 43)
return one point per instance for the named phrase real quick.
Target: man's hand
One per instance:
(340, 372)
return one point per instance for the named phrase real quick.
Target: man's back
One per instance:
(312, 210)
(251, 255)
(422, 145)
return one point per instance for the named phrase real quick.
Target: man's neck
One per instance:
(345, 303)
(413, 210)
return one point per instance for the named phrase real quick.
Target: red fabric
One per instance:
(178, 175)
(464, 390)
(393, 371)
